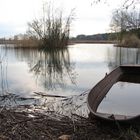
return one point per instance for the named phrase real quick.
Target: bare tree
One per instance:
(124, 21)
(52, 30)
(125, 3)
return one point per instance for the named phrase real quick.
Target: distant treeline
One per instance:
(106, 36)
(23, 40)
(20, 39)
(97, 37)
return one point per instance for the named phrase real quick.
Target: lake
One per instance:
(61, 79)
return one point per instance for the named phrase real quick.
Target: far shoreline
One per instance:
(21, 44)
(91, 42)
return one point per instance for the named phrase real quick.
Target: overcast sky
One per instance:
(89, 18)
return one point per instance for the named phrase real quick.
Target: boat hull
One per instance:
(97, 93)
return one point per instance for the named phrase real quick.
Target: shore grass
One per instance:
(130, 41)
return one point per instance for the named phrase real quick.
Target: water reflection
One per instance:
(123, 98)
(23, 71)
(119, 56)
(3, 71)
(52, 67)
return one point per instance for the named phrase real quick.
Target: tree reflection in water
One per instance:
(55, 70)
(3, 71)
(123, 56)
(52, 67)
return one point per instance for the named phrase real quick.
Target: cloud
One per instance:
(11, 29)
(14, 15)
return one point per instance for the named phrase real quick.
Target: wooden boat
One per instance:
(125, 73)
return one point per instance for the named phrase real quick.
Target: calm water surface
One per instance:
(26, 74)
(123, 98)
